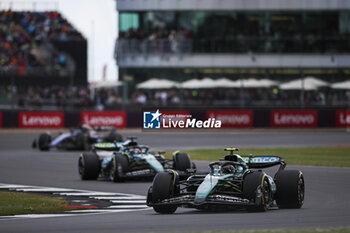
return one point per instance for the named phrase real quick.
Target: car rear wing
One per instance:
(108, 146)
(264, 161)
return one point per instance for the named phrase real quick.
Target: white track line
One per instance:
(124, 200)
(128, 206)
(128, 202)
(120, 198)
(43, 190)
(87, 194)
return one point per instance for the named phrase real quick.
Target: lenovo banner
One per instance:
(294, 118)
(41, 119)
(116, 119)
(230, 118)
(342, 118)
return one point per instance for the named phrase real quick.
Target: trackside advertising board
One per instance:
(116, 118)
(0, 119)
(41, 119)
(294, 118)
(342, 118)
(232, 118)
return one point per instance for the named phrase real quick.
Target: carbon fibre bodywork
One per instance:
(232, 183)
(139, 161)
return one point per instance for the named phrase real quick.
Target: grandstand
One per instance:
(40, 51)
(277, 40)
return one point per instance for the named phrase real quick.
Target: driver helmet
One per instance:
(228, 169)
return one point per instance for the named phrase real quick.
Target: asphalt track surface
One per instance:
(327, 202)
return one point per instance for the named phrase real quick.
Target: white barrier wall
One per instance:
(235, 60)
(147, 5)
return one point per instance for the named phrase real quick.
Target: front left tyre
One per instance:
(118, 167)
(164, 186)
(181, 161)
(44, 141)
(257, 190)
(89, 166)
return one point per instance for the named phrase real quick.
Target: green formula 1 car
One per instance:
(234, 182)
(120, 161)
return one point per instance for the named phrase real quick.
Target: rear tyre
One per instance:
(164, 186)
(182, 161)
(89, 166)
(290, 189)
(82, 142)
(119, 166)
(44, 141)
(257, 190)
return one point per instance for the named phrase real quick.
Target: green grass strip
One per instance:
(14, 203)
(313, 230)
(316, 156)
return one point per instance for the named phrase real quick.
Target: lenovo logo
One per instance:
(116, 119)
(342, 118)
(41, 119)
(291, 118)
(229, 118)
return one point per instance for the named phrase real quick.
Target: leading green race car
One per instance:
(119, 161)
(232, 183)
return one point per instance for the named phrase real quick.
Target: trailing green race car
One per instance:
(233, 182)
(125, 160)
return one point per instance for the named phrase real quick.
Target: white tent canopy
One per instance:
(309, 83)
(341, 85)
(224, 83)
(106, 84)
(227, 83)
(198, 84)
(157, 84)
(255, 83)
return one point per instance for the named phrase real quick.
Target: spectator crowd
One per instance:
(23, 35)
(155, 41)
(109, 98)
(59, 97)
(246, 97)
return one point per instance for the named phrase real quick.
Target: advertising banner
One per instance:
(41, 119)
(116, 118)
(232, 118)
(342, 118)
(294, 118)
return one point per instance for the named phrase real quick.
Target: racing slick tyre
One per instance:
(164, 186)
(89, 166)
(44, 141)
(181, 161)
(257, 190)
(82, 142)
(290, 189)
(119, 166)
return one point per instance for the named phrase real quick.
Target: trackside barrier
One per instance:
(233, 118)
(343, 118)
(41, 120)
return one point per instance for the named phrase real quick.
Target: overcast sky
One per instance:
(95, 19)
